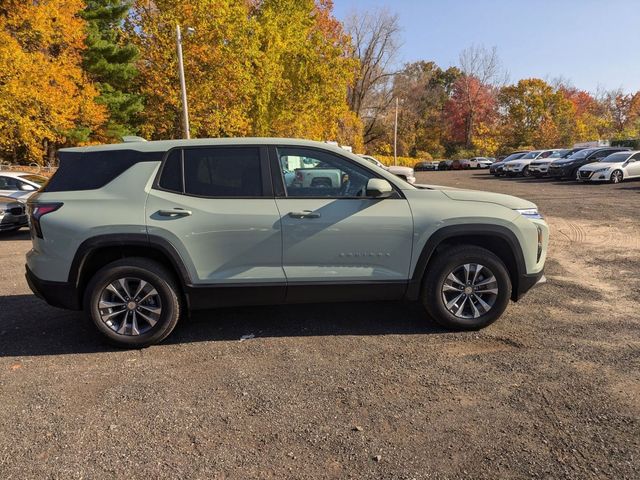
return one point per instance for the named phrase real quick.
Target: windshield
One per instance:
(533, 154)
(558, 154)
(35, 179)
(513, 156)
(582, 154)
(616, 158)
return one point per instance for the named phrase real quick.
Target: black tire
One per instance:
(445, 263)
(616, 176)
(149, 271)
(525, 172)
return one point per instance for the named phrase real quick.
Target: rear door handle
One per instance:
(175, 212)
(304, 214)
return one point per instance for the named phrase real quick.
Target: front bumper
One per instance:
(57, 294)
(590, 176)
(539, 170)
(561, 172)
(11, 222)
(527, 282)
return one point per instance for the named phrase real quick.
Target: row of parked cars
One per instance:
(465, 164)
(595, 164)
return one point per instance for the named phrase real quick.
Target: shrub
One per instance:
(402, 161)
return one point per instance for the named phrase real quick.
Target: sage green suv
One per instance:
(136, 233)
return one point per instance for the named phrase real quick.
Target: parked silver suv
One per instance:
(136, 233)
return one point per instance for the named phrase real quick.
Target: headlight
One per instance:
(600, 170)
(529, 213)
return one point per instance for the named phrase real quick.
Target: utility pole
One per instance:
(183, 85)
(395, 137)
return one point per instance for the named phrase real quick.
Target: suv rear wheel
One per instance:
(134, 302)
(468, 288)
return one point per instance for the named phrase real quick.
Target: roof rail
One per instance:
(132, 138)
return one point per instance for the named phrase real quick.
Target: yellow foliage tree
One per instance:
(265, 68)
(218, 65)
(46, 100)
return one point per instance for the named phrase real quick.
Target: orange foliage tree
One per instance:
(46, 100)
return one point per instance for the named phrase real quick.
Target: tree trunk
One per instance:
(468, 137)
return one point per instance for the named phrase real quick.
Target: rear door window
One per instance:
(221, 172)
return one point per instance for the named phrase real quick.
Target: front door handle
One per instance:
(304, 214)
(175, 212)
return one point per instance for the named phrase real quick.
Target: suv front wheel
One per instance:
(467, 288)
(134, 302)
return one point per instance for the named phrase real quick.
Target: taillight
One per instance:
(37, 211)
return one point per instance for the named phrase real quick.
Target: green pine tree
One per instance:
(111, 64)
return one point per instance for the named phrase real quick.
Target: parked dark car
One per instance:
(445, 165)
(568, 167)
(13, 215)
(457, 164)
(497, 168)
(540, 167)
(425, 166)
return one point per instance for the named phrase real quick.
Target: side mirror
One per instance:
(25, 187)
(379, 188)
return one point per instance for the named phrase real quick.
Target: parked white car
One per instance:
(477, 162)
(540, 167)
(405, 173)
(520, 167)
(615, 168)
(20, 185)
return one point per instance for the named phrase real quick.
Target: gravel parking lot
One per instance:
(348, 390)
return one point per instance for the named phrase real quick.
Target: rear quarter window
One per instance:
(92, 170)
(171, 175)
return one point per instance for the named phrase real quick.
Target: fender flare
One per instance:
(91, 244)
(453, 231)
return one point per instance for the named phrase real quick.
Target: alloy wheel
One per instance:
(470, 291)
(616, 177)
(130, 306)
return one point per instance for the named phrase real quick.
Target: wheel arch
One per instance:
(497, 239)
(98, 251)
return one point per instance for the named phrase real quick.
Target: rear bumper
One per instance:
(57, 294)
(527, 282)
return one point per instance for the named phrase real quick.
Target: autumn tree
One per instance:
(537, 114)
(273, 67)
(590, 124)
(423, 89)
(219, 59)
(471, 121)
(110, 61)
(481, 70)
(622, 112)
(375, 42)
(46, 100)
(303, 71)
